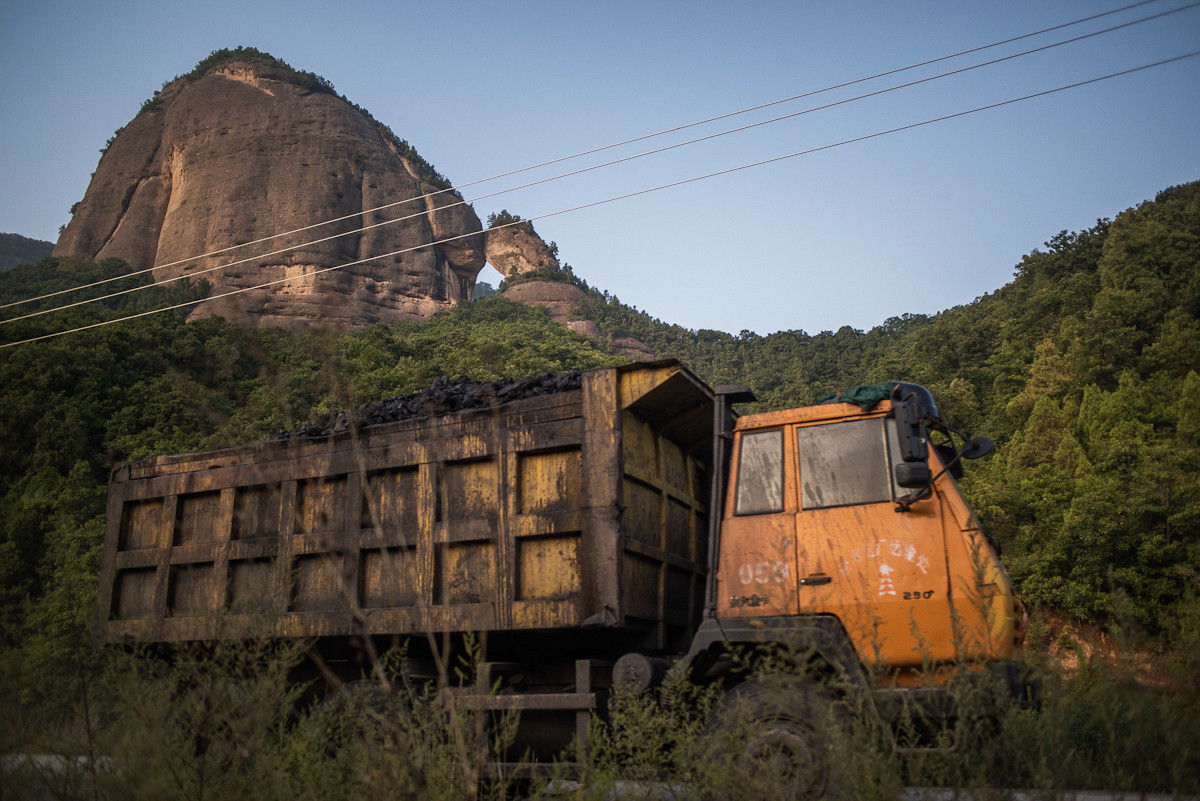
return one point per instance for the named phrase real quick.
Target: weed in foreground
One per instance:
(227, 722)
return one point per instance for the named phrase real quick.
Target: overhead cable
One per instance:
(643, 154)
(586, 153)
(625, 196)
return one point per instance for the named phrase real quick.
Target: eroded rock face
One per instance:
(513, 251)
(557, 299)
(240, 156)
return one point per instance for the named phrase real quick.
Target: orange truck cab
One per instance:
(843, 532)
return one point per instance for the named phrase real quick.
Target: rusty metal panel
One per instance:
(139, 525)
(317, 583)
(549, 481)
(194, 514)
(389, 577)
(256, 512)
(600, 594)
(579, 508)
(664, 519)
(193, 590)
(465, 573)
(642, 585)
(390, 505)
(468, 491)
(548, 567)
(320, 504)
(134, 594)
(251, 588)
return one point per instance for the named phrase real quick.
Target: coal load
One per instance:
(446, 396)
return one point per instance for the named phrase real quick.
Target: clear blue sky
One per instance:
(913, 222)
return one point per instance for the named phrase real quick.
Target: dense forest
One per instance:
(1085, 369)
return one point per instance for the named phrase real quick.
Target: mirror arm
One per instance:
(905, 503)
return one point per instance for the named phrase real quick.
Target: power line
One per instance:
(655, 151)
(575, 156)
(627, 195)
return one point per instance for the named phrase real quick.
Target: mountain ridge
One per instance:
(17, 249)
(246, 149)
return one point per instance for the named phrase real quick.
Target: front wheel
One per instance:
(775, 737)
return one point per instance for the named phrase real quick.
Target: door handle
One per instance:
(812, 581)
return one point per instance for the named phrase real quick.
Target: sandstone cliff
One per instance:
(244, 152)
(557, 299)
(518, 249)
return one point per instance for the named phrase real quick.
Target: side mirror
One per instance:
(979, 446)
(913, 475)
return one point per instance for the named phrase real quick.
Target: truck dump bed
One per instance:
(585, 508)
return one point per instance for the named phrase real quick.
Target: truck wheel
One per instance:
(773, 736)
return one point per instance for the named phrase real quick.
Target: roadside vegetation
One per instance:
(230, 722)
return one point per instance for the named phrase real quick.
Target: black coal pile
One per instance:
(446, 396)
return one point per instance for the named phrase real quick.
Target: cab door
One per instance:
(881, 572)
(756, 571)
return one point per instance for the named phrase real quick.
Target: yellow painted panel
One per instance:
(466, 573)
(194, 518)
(640, 449)
(389, 577)
(461, 617)
(193, 591)
(633, 384)
(256, 512)
(642, 517)
(390, 502)
(250, 585)
(674, 468)
(465, 442)
(682, 531)
(321, 504)
(550, 481)
(318, 584)
(545, 614)
(810, 414)
(548, 567)
(469, 490)
(139, 525)
(134, 594)
(684, 595)
(640, 586)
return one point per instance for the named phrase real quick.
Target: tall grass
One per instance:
(230, 722)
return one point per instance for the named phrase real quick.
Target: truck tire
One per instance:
(773, 735)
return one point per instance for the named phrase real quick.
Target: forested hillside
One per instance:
(1085, 369)
(16, 249)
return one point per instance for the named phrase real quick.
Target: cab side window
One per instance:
(760, 473)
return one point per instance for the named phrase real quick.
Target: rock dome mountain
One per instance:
(245, 148)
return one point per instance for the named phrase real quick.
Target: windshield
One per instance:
(846, 463)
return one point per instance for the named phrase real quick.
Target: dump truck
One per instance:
(623, 529)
